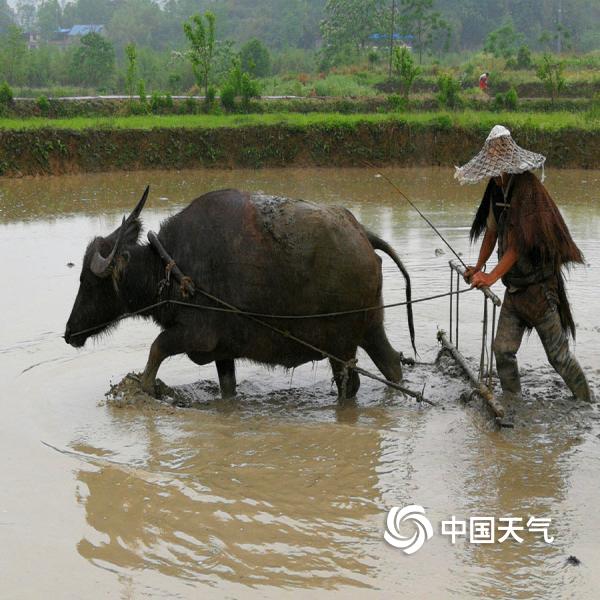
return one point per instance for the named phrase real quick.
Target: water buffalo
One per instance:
(259, 253)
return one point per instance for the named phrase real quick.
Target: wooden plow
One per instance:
(481, 381)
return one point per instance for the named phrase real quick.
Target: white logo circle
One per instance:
(409, 514)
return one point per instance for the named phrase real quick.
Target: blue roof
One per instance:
(386, 36)
(83, 29)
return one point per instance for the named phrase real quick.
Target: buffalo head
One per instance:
(98, 301)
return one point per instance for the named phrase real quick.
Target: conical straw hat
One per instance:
(500, 154)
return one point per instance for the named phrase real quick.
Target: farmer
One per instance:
(483, 81)
(534, 244)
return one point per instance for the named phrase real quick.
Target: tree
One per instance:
(449, 91)
(131, 75)
(26, 14)
(256, 58)
(201, 39)
(238, 84)
(351, 22)
(141, 22)
(89, 12)
(93, 61)
(7, 16)
(419, 19)
(49, 18)
(550, 71)
(13, 56)
(405, 68)
(504, 41)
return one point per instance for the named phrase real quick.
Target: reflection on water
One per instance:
(270, 504)
(281, 491)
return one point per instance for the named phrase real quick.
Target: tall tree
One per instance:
(201, 38)
(13, 53)
(90, 12)
(351, 22)
(26, 14)
(426, 25)
(7, 16)
(49, 18)
(94, 61)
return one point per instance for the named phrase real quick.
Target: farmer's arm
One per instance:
(504, 266)
(487, 247)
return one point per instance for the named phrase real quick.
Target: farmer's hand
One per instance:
(480, 280)
(470, 272)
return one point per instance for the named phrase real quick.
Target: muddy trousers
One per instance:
(511, 328)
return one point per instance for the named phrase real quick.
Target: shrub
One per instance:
(209, 100)
(449, 92)
(524, 58)
(156, 103)
(507, 101)
(373, 58)
(142, 93)
(43, 104)
(191, 106)
(405, 68)
(550, 71)
(511, 99)
(228, 97)
(593, 114)
(6, 95)
(396, 102)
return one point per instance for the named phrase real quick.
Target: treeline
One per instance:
(302, 24)
(273, 36)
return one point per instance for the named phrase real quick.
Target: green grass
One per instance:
(547, 121)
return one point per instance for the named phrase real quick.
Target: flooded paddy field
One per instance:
(281, 492)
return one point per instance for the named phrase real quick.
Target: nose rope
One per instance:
(245, 313)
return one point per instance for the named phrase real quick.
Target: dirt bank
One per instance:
(59, 151)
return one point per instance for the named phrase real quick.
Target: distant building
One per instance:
(66, 37)
(383, 39)
(32, 39)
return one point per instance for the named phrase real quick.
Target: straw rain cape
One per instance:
(537, 230)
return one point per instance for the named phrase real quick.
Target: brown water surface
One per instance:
(281, 492)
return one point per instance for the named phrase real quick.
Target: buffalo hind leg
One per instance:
(226, 372)
(380, 351)
(347, 384)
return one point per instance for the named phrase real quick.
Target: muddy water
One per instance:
(280, 493)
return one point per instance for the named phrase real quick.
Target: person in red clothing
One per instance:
(483, 81)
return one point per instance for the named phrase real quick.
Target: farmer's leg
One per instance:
(508, 340)
(556, 345)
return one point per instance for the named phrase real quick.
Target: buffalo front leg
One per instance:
(155, 359)
(226, 372)
(170, 342)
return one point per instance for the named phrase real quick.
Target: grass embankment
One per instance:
(467, 119)
(51, 146)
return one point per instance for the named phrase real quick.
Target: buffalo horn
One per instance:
(100, 266)
(140, 205)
